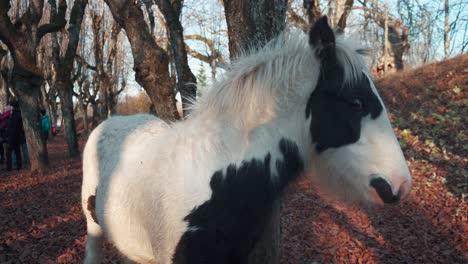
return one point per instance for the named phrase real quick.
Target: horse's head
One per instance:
(355, 151)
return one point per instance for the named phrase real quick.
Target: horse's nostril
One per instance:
(384, 189)
(404, 189)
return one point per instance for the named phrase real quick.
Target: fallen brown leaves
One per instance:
(41, 220)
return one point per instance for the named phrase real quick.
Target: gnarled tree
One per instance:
(171, 9)
(22, 39)
(151, 63)
(395, 45)
(63, 67)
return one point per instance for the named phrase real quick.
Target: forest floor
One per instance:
(41, 219)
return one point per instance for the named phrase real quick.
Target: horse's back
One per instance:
(108, 141)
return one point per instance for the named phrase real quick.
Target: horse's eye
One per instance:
(356, 103)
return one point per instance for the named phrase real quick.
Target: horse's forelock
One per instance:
(350, 56)
(261, 73)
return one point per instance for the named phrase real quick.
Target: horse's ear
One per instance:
(322, 38)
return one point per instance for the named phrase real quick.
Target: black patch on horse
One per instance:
(226, 227)
(337, 111)
(91, 207)
(337, 108)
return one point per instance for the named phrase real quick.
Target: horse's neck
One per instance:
(235, 142)
(266, 138)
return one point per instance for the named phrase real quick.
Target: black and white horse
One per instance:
(201, 190)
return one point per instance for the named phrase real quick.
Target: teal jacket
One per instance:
(45, 123)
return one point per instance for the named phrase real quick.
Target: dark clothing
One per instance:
(3, 125)
(17, 150)
(15, 137)
(4, 118)
(2, 153)
(3, 137)
(15, 131)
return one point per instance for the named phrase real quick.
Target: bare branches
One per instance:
(76, 17)
(312, 8)
(84, 63)
(211, 46)
(296, 19)
(35, 8)
(344, 17)
(55, 25)
(7, 30)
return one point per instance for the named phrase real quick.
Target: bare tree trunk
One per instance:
(27, 88)
(151, 61)
(84, 109)
(346, 11)
(254, 22)
(385, 40)
(335, 17)
(3, 93)
(186, 80)
(52, 94)
(3, 82)
(95, 116)
(395, 39)
(331, 11)
(213, 68)
(312, 8)
(446, 30)
(65, 90)
(63, 82)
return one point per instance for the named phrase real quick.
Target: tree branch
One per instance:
(312, 8)
(197, 55)
(76, 18)
(344, 17)
(214, 53)
(7, 30)
(36, 7)
(55, 25)
(298, 20)
(83, 62)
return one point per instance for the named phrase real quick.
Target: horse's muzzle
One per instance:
(385, 189)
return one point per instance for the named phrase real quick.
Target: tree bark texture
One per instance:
(151, 61)
(3, 93)
(385, 40)
(52, 99)
(251, 23)
(312, 8)
(395, 46)
(3, 82)
(397, 43)
(63, 69)
(346, 11)
(186, 80)
(27, 88)
(446, 29)
(65, 90)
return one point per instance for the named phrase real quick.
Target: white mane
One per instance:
(259, 80)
